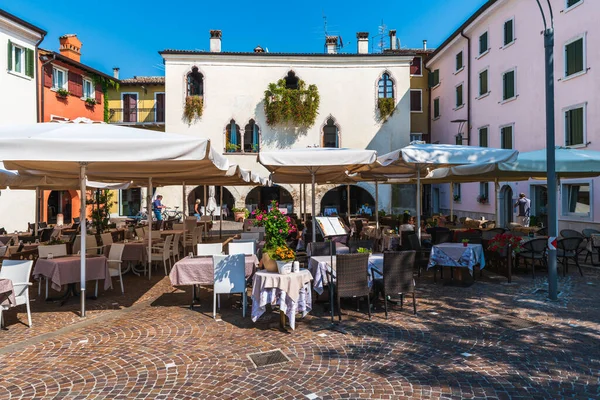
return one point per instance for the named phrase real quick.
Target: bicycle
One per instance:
(170, 214)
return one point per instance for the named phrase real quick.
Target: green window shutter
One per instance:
(483, 43)
(483, 82)
(436, 77)
(430, 78)
(459, 61)
(483, 137)
(574, 56)
(29, 63)
(436, 108)
(10, 51)
(508, 32)
(508, 84)
(459, 96)
(574, 127)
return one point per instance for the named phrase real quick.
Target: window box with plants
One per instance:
(481, 199)
(62, 93)
(192, 109)
(457, 198)
(90, 102)
(296, 107)
(232, 148)
(386, 107)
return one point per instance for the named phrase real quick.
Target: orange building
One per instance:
(68, 90)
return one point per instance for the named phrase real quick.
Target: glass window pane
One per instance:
(18, 59)
(415, 100)
(578, 199)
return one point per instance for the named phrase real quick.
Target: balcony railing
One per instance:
(136, 116)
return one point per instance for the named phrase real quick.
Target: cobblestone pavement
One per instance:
(149, 344)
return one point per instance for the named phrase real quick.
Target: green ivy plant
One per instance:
(105, 83)
(298, 107)
(192, 109)
(386, 108)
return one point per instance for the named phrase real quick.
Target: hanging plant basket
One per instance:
(62, 93)
(297, 107)
(386, 108)
(192, 110)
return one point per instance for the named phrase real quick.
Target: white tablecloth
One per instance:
(318, 267)
(457, 255)
(278, 297)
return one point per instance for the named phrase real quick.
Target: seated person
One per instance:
(406, 223)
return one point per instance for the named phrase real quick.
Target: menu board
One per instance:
(331, 226)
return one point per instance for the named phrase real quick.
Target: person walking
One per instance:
(157, 207)
(524, 205)
(197, 210)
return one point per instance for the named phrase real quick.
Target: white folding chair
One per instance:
(246, 248)
(209, 249)
(250, 235)
(18, 271)
(57, 250)
(115, 257)
(230, 277)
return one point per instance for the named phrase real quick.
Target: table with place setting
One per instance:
(319, 265)
(457, 255)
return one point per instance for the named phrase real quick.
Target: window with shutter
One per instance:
(508, 85)
(575, 126)
(509, 35)
(436, 108)
(29, 63)
(88, 89)
(416, 101)
(483, 137)
(574, 57)
(571, 3)
(506, 137)
(9, 55)
(99, 93)
(459, 61)
(416, 67)
(483, 82)
(459, 95)
(436, 78)
(59, 78)
(75, 83)
(483, 43)
(48, 75)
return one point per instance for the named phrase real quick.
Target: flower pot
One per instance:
(268, 263)
(465, 244)
(284, 267)
(239, 216)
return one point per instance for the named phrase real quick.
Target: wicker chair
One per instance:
(320, 249)
(534, 250)
(421, 256)
(570, 233)
(543, 231)
(358, 224)
(397, 277)
(589, 248)
(352, 279)
(568, 249)
(472, 237)
(354, 245)
(440, 236)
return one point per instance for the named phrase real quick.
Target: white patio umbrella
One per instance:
(315, 165)
(107, 153)
(415, 160)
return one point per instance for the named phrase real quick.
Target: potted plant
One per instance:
(240, 214)
(481, 199)
(90, 102)
(232, 148)
(499, 243)
(465, 242)
(456, 197)
(363, 250)
(277, 228)
(192, 109)
(62, 93)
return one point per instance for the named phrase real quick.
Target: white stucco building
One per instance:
(18, 104)
(232, 86)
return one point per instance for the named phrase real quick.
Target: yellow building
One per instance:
(139, 102)
(419, 96)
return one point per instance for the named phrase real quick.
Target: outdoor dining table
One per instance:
(319, 265)
(457, 255)
(66, 271)
(133, 252)
(291, 292)
(200, 270)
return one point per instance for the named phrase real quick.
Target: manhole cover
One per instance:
(266, 358)
(510, 322)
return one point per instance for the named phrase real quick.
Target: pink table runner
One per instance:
(7, 293)
(65, 270)
(200, 270)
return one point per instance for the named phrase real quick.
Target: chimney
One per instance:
(116, 72)
(259, 49)
(393, 41)
(424, 44)
(363, 42)
(70, 47)
(331, 43)
(215, 41)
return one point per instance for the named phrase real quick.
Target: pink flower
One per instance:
(287, 219)
(259, 217)
(281, 231)
(253, 212)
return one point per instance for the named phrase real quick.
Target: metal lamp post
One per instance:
(550, 149)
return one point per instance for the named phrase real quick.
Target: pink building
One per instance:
(488, 90)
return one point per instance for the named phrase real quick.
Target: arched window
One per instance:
(195, 83)
(330, 134)
(233, 139)
(386, 87)
(251, 137)
(291, 80)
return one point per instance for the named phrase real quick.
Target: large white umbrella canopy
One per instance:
(315, 165)
(104, 152)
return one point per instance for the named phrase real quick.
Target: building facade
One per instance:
(488, 90)
(18, 104)
(232, 89)
(138, 102)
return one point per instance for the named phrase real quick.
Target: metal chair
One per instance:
(569, 233)
(543, 231)
(421, 255)
(352, 279)
(534, 250)
(230, 277)
(568, 249)
(354, 245)
(589, 248)
(320, 249)
(18, 271)
(397, 276)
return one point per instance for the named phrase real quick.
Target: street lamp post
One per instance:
(550, 149)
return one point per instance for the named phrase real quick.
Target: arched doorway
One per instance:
(260, 197)
(506, 206)
(62, 202)
(336, 202)
(198, 193)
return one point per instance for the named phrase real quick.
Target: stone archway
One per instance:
(334, 201)
(66, 202)
(261, 196)
(198, 193)
(505, 199)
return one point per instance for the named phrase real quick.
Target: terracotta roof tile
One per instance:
(144, 80)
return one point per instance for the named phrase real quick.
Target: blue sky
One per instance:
(129, 33)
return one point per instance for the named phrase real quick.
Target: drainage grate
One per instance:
(266, 358)
(510, 322)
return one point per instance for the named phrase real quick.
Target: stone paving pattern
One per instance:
(149, 344)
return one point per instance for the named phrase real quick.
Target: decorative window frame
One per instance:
(394, 85)
(564, 199)
(137, 119)
(567, 8)
(65, 84)
(585, 65)
(514, 30)
(91, 81)
(322, 132)
(481, 55)
(512, 125)
(241, 151)
(184, 82)
(421, 106)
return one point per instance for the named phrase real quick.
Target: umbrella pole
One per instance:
(348, 201)
(314, 221)
(184, 202)
(377, 205)
(304, 203)
(149, 205)
(82, 173)
(451, 201)
(419, 203)
(497, 201)
(37, 211)
(205, 210)
(221, 213)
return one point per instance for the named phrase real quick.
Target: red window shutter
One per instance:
(75, 84)
(48, 75)
(99, 94)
